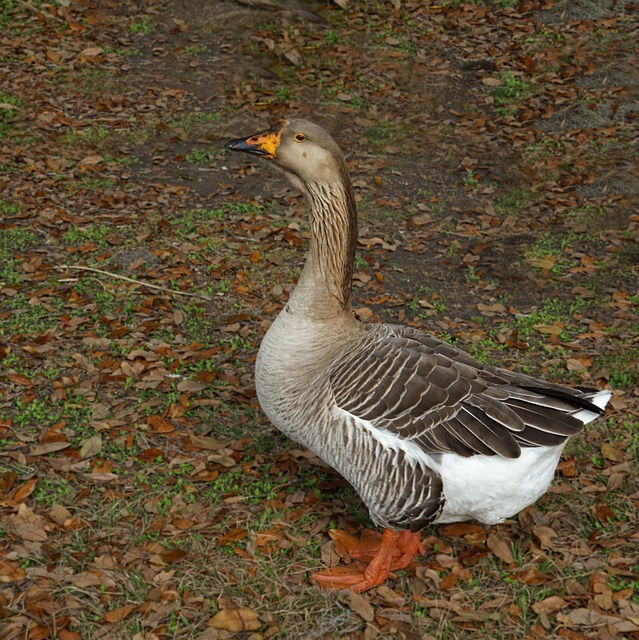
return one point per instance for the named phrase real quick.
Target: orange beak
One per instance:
(264, 143)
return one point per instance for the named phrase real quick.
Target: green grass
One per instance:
(94, 135)
(10, 106)
(10, 209)
(93, 233)
(202, 156)
(513, 200)
(28, 318)
(89, 80)
(552, 311)
(384, 135)
(551, 248)
(143, 26)
(13, 242)
(623, 367)
(513, 89)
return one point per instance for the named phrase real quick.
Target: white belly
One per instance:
(491, 489)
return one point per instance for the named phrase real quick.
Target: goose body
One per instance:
(423, 431)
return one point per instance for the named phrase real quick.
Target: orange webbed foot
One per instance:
(386, 553)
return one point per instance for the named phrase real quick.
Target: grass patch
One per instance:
(549, 252)
(202, 156)
(554, 311)
(94, 136)
(384, 135)
(511, 91)
(513, 201)
(14, 239)
(25, 318)
(623, 367)
(143, 26)
(93, 233)
(9, 107)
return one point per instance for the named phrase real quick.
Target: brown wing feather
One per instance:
(425, 390)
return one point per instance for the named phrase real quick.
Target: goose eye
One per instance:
(299, 137)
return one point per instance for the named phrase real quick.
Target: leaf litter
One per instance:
(493, 149)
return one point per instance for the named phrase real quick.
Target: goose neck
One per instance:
(324, 287)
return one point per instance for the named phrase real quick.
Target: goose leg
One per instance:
(395, 551)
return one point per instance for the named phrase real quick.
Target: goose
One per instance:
(424, 432)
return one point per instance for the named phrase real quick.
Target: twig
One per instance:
(138, 282)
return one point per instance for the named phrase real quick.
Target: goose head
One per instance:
(304, 151)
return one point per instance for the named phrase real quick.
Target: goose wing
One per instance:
(426, 391)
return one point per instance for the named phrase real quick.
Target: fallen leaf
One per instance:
(206, 442)
(25, 490)
(501, 547)
(49, 447)
(471, 532)
(554, 329)
(91, 52)
(233, 535)
(545, 535)
(549, 605)
(160, 424)
(235, 620)
(119, 614)
(90, 161)
(361, 606)
(611, 452)
(173, 555)
(91, 446)
(59, 514)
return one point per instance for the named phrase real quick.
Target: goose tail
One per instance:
(599, 399)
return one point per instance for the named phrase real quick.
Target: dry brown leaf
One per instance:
(233, 535)
(545, 535)
(471, 532)
(541, 263)
(119, 614)
(59, 514)
(604, 513)
(501, 546)
(85, 579)
(90, 161)
(328, 554)
(615, 481)
(448, 581)
(235, 620)
(345, 543)
(173, 555)
(49, 447)
(160, 424)
(611, 452)
(549, 605)
(191, 386)
(361, 606)
(533, 576)
(553, 329)
(91, 446)
(25, 490)
(7, 480)
(91, 52)
(29, 525)
(206, 442)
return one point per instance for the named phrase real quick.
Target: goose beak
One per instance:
(264, 143)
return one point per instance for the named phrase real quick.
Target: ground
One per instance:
(493, 148)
